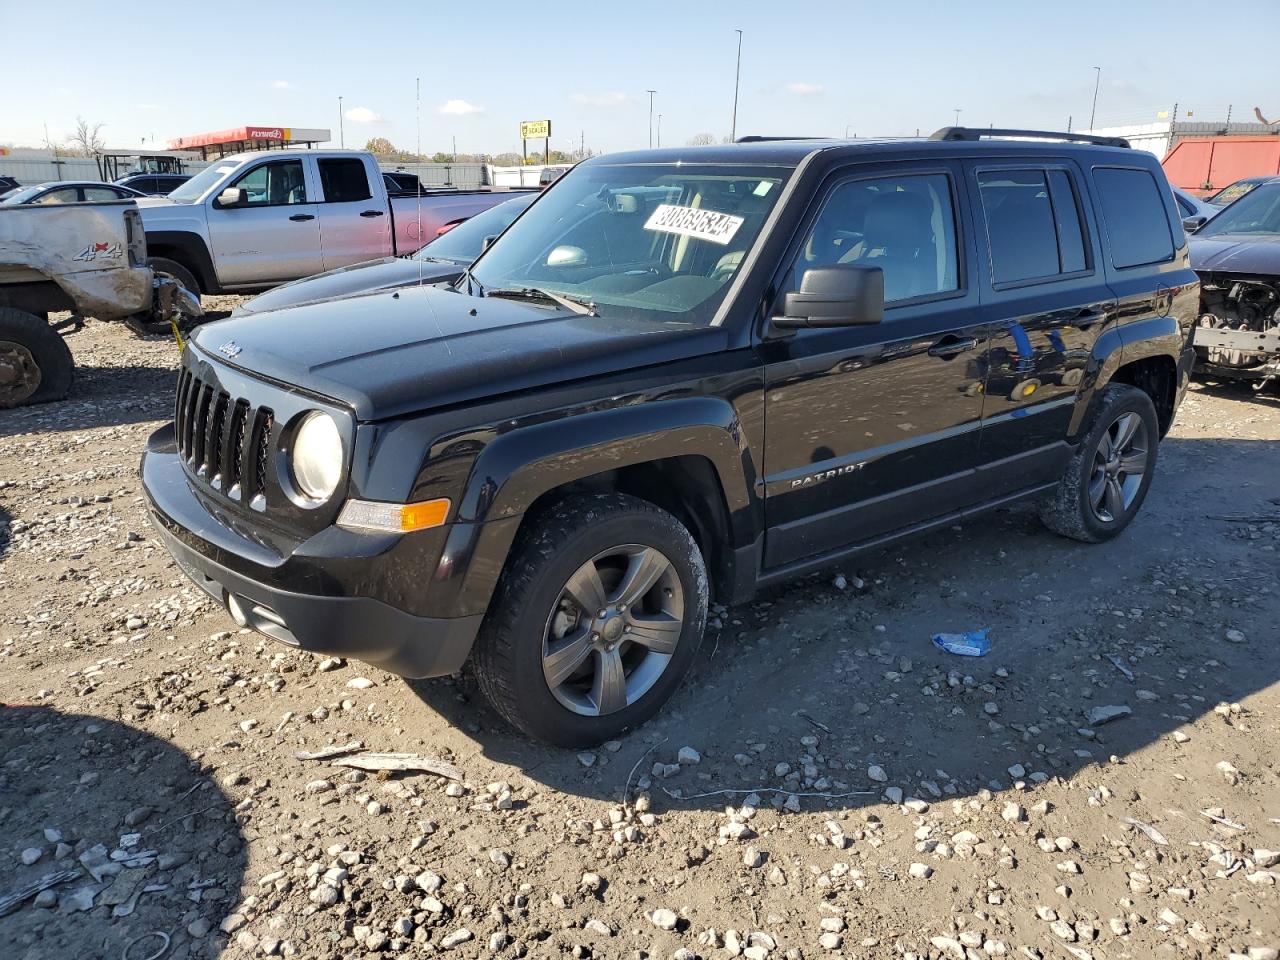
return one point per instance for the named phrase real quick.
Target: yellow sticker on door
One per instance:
(694, 222)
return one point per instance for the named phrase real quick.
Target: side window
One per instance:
(274, 184)
(1033, 224)
(904, 225)
(1135, 215)
(344, 180)
(1183, 207)
(1066, 215)
(64, 195)
(95, 194)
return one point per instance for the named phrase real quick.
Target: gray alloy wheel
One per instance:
(613, 630)
(1119, 462)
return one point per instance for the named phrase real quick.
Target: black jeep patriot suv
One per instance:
(681, 375)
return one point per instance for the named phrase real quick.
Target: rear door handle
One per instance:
(949, 347)
(370, 213)
(300, 217)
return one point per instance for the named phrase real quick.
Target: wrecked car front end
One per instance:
(1237, 255)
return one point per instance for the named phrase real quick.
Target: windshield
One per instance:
(197, 186)
(644, 241)
(1257, 212)
(464, 242)
(1232, 193)
(23, 195)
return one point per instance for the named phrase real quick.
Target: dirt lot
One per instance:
(851, 790)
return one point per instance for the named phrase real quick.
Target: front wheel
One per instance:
(596, 620)
(1106, 481)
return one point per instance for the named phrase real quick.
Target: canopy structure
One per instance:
(219, 143)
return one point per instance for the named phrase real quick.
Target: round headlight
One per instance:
(317, 456)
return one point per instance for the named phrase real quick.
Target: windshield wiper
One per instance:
(584, 308)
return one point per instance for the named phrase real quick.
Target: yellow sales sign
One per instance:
(535, 129)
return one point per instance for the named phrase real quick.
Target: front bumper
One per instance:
(361, 627)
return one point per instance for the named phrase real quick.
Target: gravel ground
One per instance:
(827, 784)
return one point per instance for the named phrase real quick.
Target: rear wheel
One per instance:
(35, 363)
(595, 622)
(1106, 481)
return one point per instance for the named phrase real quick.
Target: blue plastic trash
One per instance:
(971, 644)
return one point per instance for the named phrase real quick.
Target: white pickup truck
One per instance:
(255, 220)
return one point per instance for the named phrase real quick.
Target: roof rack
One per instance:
(977, 133)
(756, 138)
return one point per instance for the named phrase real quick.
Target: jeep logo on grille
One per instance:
(230, 349)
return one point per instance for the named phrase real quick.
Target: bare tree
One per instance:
(86, 140)
(702, 140)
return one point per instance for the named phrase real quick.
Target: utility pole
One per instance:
(737, 77)
(846, 130)
(342, 141)
(659, 131)
(582, 144)
(1097, 82)
(651, 93)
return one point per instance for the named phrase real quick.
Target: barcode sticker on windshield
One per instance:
(694, 222)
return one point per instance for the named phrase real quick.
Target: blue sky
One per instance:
(807, 68)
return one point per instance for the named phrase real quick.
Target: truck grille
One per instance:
(224, 440)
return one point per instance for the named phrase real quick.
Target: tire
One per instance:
(535, 631)
(35, 362)
(162, 266)
(1100, 493)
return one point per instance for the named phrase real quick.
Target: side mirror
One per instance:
(487, 242)
(566, 256)
(1192, 224)
(232, 197)
(839, 296)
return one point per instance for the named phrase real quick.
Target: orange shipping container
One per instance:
(1204, 165)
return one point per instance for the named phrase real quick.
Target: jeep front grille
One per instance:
(223, 439)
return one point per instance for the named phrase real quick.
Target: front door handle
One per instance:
(949, 347)
(300, 217)
(370, 213)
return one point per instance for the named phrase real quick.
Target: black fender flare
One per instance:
(190, 250)
(517, 468)
(1148, 337)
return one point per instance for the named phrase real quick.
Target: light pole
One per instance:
(342, 142)
(659, 131)
(651, 93)
(957, 109)
(737, 76)
(1097, 81)
(846, 130)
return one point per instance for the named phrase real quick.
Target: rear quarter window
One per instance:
(1134, 213)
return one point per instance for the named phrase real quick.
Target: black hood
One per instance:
(396, 353)
(1236, 253)
(369, 277)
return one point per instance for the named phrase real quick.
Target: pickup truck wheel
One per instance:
(1108, 478)
(596, 620)
(35, 362)
(144, 323)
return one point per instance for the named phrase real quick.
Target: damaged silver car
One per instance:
(1237, 255)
